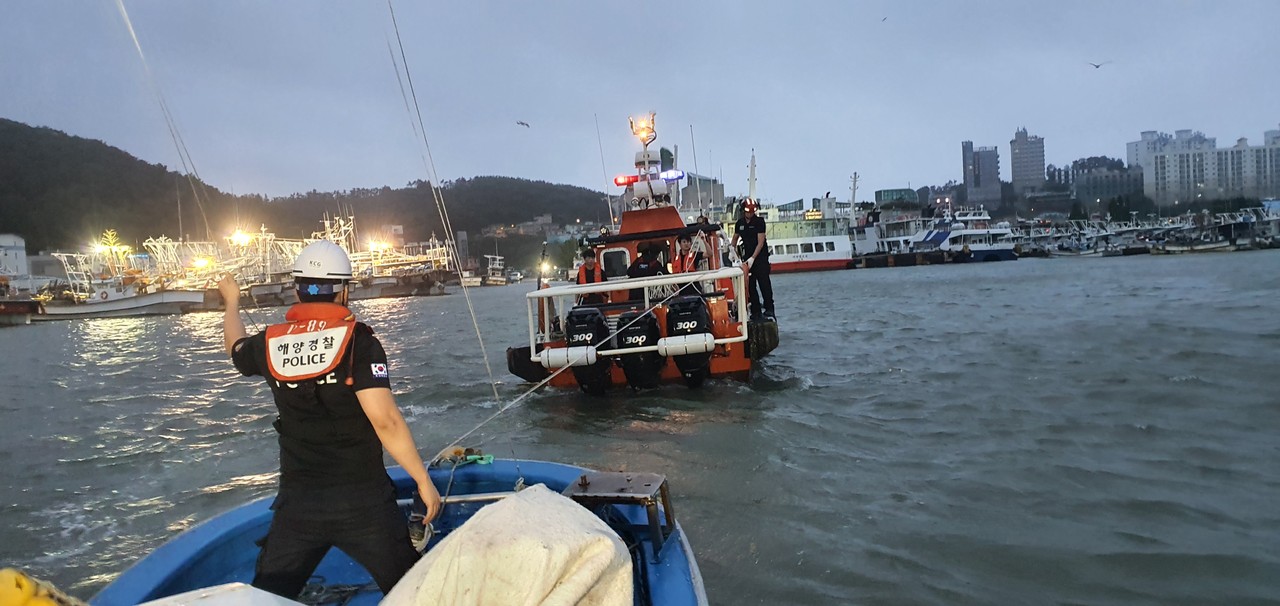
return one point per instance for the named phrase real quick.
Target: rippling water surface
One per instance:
(1092, 431)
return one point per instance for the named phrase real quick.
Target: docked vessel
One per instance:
(648, 554)
(808, 239)
(111, 282)
(648, 330)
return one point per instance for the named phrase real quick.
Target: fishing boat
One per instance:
(497, 273)
(212, 563)
(648, 330)
(110, 282)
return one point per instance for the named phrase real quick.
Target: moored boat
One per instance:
(198, 565)
(103, 285)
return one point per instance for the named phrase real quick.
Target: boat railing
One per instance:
(544, 303)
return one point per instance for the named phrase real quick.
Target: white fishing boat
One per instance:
(496, 274)
(111, 282)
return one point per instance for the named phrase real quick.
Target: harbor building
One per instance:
(1098, 185)
(1189, 166)
(981, 174)
(1026, 160)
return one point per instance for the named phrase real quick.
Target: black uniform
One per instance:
(643, 267)
(334, 488)
(751, 232)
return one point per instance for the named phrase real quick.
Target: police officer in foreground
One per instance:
(329, 377)
(750, 229)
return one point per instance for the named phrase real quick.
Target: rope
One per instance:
(183, 155)
(438, 196)
(553, 375)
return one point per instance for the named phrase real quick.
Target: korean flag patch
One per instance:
(379, 371)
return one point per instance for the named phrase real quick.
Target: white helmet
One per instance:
(322, 259)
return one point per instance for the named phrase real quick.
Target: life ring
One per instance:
(103, 296)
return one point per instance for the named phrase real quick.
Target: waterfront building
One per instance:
(981, 174)
(1189, 166)
(701, 195)
(13, 255)
(1098, 185)
(1026, 153)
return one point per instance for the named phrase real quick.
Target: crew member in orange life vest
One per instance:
(687, 259)
(329, 377)
(590, 273)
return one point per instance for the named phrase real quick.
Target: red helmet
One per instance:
(750, 205)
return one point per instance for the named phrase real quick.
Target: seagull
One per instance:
(885, 19)
(522, 123)
(1097, 65)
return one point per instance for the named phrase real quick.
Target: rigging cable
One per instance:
(604, 171)
(438, 197)
(183, 155)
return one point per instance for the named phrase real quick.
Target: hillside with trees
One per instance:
(62, 191)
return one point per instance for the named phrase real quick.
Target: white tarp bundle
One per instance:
(535, 547)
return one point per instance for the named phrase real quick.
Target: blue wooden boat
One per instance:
(635, 505)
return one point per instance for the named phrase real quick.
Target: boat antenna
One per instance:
(603, 171)
(184, 156)
(436, 194)
(697, 182)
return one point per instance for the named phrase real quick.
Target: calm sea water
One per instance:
(1085, 431)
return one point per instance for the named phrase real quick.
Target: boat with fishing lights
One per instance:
(111, 281)
(646, 328)
(516, 531)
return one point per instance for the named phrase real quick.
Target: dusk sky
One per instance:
(282, 97)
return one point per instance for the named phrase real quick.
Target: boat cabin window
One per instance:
(777, 250)
(616, 262)
(831, 246)
(792, 249)
(806, 247)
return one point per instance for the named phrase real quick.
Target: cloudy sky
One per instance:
(288, 96)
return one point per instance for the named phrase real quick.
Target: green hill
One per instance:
(63, 191)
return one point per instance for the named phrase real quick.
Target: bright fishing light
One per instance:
(100, 248)
(376, 246)
(240, 238)
(672, 175)
(546, 267)
(200, 262)
(625, 180)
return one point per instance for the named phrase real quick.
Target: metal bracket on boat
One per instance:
(648, 490)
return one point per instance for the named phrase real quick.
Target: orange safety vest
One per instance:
(583, 275)
(685, 262)
(311, 341)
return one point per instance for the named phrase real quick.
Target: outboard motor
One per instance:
(586, 327)
(640, 329)
(689, 340)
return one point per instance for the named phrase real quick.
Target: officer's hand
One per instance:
(430, 498)
(228, 288)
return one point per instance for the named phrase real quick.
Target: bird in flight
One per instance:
(885, 19)
(522, 123)
(1097, 65)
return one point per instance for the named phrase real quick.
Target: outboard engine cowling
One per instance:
(687, 319)
(586, 327)
(640, 329)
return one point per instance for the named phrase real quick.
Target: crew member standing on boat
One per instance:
(590, 273)
(645, 265)
(750, 229)
(329, 377)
